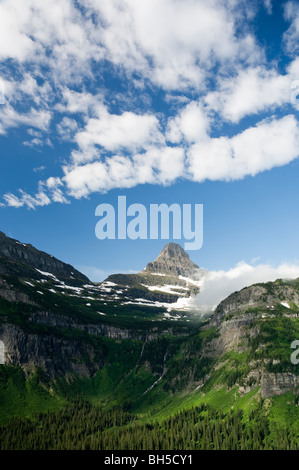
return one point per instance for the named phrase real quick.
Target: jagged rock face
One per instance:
(13, 295)
(277, 384)
(56, 356)
(59, 356)
(22, 260)
(233, 336)
(173, 260)
(170, 277)
(258, 295)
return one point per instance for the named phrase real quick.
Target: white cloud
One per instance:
(251, 91)
(128, 131)
(39, 168)
(170, 42)
(36, 142)
(67, 128)
(291, 36)
(191, 124)
(293, 69)
(48, 191)
(9, 118)
(60, 48)
(29, 30)
(40, 199)
(26, 103)
(269, 144)
(38, 139)
(157, 165)
(220, 284)
(15, 43)
(54, 188)
(12, 201)
(73, 102)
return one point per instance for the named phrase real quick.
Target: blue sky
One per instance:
(161, 101)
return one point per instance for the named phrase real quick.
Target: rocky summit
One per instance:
(170, 279)
(174, 261)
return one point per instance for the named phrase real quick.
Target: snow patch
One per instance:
(168, 289)
(48, 275)
(75, 289)
(29, 284)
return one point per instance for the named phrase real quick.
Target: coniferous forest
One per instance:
(82, 426)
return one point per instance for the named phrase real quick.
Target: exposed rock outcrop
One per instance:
(56, 355)
(173, 260)
(23, 260)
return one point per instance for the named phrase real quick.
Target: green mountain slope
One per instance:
(220, 382)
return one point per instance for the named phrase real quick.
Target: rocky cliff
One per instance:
(24, 260)
(259, 323)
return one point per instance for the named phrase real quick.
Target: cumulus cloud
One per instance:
(29, 30)
(269, 144)
(253, 90)
(157, 165)
(220, 284)
(199, 58)
(127, 131)
(191, 124)
(173, 43)
(79, 102)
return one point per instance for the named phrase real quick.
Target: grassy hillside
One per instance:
(212, 415)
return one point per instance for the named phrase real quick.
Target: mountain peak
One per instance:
(172, 250)
(173, 260)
